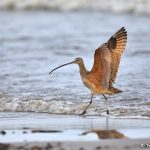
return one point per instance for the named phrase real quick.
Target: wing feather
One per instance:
(116, 51)
(101, 68)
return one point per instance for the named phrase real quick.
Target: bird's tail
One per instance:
(113, 90)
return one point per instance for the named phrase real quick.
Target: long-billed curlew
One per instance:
(107, 57)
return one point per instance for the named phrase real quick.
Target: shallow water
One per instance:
(33, 43)
(67, 135)
(42, 127)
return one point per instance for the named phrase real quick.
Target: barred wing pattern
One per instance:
(116, 44)
(106, 60)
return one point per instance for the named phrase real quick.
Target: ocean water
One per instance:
(32, 43)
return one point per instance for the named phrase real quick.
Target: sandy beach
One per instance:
(103, 144)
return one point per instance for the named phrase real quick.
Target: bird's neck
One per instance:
(83, 71)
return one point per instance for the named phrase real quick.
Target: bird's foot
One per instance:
(107, 111)
(83, 113)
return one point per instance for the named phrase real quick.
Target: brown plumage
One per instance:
(106, 61)
(107, 57)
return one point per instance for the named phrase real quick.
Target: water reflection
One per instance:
(107, 133)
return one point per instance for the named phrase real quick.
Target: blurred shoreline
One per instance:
(121, 6)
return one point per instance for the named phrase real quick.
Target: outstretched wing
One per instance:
(107, 58)
(116, 44)
(100, 73)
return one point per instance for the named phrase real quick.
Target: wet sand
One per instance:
(42, 131)
(103, 144)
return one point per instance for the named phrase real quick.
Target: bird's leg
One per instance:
(87, 105)
(107, 111)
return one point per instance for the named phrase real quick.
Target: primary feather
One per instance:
(116, 45)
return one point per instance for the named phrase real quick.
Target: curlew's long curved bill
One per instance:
(61, 66)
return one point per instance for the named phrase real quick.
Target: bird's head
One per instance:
(77, 60)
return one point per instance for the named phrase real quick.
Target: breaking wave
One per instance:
(69, 107)
(130, 6)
